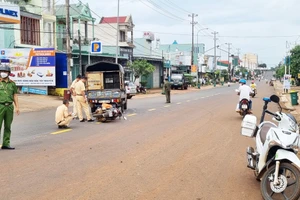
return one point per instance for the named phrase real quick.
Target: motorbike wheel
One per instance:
(144, 91)
(244, 113)
(289, 183)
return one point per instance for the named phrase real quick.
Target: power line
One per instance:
(159, 7)
(159, 11)
(257, 36)
(174, 5)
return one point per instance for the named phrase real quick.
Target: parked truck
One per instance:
(105, 84)
(178, 81)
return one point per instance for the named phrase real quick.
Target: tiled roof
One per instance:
(112, 20)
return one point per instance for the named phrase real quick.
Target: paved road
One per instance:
(189, 149)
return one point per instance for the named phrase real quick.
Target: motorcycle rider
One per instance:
(244, 92)
(253, 86)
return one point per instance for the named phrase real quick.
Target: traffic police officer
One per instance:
(82, 101)
(167, 87)
(8, 96)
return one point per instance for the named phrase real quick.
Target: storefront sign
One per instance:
(31, 67)
(9, 14)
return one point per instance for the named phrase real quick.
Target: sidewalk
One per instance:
(285, 99)
(34, 102)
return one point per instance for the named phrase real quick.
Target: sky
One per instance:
(261, 27)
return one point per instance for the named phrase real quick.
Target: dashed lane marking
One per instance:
(152, 109)
(188, 100)
(62, 131)
(130, 115)
(167, 106)
(178, 103)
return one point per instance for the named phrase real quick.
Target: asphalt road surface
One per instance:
(189, 149)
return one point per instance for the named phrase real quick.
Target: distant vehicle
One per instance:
(178, 81)
(130, 89)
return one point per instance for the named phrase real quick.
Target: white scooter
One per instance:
(274, 160)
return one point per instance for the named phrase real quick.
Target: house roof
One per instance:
(112, 20)
(79, 10)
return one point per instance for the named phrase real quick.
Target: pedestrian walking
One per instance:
(82, 101)
(73, 93)
(167, 87)
(8, 96)
(63, 117)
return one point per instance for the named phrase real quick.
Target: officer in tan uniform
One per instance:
(8, 96)
(72, 89)
(81, 100)
(62, 116)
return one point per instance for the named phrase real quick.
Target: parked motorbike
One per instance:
(108, 112)
(141, 89)
(274, 159)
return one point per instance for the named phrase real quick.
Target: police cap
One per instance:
(5, 68)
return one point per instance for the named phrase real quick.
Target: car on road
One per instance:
(130, 89)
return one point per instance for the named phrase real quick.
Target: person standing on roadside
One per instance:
(73, 93)
(8, 96)
(62, 116)
(167, 87)
(81, 100)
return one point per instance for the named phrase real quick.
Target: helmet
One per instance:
(252, 81)
(5, 68)
(243, 81)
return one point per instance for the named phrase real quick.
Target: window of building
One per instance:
(48, 5)
(50, 33)
(122, 36)
(30, 31)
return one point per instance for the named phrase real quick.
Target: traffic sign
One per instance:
(96, 47)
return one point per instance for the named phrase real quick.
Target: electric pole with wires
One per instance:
(193, 15)
(68, 42)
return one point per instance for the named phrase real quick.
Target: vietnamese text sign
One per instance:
(287, 81)
(10, 14)
(31, 67)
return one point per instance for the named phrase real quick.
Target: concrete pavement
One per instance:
(285, 99)
(33, 102)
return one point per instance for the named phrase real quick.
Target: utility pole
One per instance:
(118, 32)
(215, 49)
(193, 25)
(68, 42)
(80, 58)
(238, 52)
(229, 68)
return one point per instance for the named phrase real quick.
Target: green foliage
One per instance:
(279, 71)
(141, 68)
(295, 61)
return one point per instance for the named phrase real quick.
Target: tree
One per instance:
(263, 65)
(295, 61)
(141, 68)
(279, 71)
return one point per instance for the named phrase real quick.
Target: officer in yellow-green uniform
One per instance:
(167, 87)
(8, 96)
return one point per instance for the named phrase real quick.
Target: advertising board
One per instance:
(30, 67)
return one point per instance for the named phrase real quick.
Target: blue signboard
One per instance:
(168, 64)
(96, 47)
